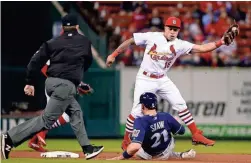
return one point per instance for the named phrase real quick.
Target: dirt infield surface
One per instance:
(212, 158)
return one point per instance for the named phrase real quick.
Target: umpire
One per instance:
(70, 55)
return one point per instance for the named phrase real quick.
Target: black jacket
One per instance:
(70, 55)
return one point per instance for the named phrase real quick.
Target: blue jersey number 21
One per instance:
(157, 135)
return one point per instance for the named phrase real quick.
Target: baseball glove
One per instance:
(84, 89)
(231, 34)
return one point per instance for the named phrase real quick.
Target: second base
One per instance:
(59, 154)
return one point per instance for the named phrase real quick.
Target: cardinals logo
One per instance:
(172, 50)
(161, 55)
(153, 51)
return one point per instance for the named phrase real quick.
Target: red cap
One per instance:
(173, 21)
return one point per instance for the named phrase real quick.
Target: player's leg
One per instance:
(41, 135)
(170, 92)
(34, 142)
(128, 130)
(39, 139)
(63, 119)
(20, 133)
(141, 86)
(78, 127)
(143, 155)
(62, 96)
(168, 152)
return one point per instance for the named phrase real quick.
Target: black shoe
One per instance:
(95, 150)
(6, 148)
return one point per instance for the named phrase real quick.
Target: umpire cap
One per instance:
(70, 20)
(149, 100)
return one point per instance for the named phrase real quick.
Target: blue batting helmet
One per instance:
(149, 100)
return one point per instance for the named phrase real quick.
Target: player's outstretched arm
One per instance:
(131, 150)
(207, 47)
(137, 136)
(111, 58)
(226, 39)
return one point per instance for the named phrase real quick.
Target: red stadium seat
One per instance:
(122, 21)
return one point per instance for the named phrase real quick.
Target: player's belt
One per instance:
(153, 75)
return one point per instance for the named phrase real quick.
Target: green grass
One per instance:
(240, 147)
(181, 145)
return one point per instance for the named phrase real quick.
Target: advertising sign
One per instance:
(219, 100)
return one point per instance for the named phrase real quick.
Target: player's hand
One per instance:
(84, 89)
(29, 90)
(230, 34)
(110, 59)
(117, 158)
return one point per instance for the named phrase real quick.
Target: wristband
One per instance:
(115, 53)
(218, 43)
(126, 155)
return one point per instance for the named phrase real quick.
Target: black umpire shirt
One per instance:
(69, 54)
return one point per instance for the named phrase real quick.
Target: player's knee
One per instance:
(77, 114)
(179, 107)
(143, 155)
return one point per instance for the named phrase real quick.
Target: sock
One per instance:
(187, 118)
(64, 118)
(129, 127)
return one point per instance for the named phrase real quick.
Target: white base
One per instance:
(59, 154)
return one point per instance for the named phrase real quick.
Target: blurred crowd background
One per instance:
(201, 22)
(112, 22)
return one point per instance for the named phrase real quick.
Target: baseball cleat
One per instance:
(6, 148)
(199, 139)
(33, 140)
(41, 137)
(96, 150)
(188, 154)
(37, 147)
(41, 140)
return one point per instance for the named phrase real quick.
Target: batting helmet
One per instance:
(149, 100)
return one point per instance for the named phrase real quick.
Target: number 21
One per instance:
(158, 136)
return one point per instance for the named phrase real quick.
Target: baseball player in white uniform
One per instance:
(162, 49)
